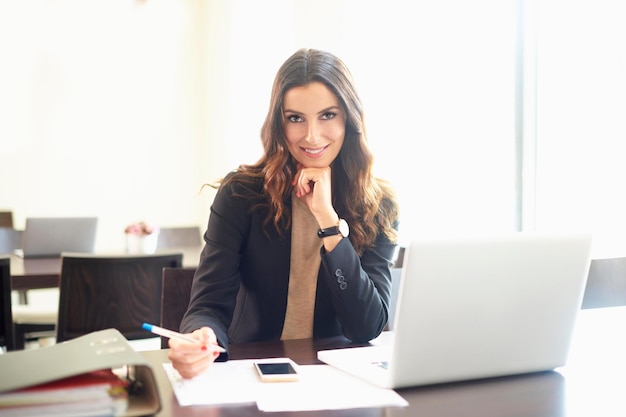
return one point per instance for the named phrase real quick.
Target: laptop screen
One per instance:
(49, 237)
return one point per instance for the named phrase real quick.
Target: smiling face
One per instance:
(314, 124)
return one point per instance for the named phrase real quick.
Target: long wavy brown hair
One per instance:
(367, 203)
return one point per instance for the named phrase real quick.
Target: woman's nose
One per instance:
(312, 133)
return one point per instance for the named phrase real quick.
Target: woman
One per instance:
(300, 244)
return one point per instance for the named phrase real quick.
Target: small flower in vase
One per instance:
(141, 237)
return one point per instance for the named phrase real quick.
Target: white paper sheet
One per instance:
(320, 387)
(223, 383)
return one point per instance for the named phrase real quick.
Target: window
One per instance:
(581, 103)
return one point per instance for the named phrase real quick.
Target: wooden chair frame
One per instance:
(175, 298)
(122, 292)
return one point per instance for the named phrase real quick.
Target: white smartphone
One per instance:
(276, 369)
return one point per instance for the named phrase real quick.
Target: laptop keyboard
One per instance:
(382, 364)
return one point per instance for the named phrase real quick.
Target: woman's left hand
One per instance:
(313, 186)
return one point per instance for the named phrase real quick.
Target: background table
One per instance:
(34, 273)
(28, 274)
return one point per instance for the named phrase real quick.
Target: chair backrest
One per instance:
(175, 298)
(399, 259)
(606, 283)
(10, 239)
(179, 237)
(121, 292)
(6, 219)
(396, 276)
(7, 335)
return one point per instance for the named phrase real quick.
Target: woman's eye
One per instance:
(328, 116)
(294, 118)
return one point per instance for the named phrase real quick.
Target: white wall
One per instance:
(437, 84)
(123, 109)
(102, 112)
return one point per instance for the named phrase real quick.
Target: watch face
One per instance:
(343, 228)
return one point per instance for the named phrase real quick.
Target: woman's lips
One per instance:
(315, 152)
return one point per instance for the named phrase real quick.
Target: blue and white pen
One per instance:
(175, 335)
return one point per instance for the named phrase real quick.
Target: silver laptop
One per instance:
(478, 307)
(49, 237)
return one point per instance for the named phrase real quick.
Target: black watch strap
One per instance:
(340, 229)
(329, 231)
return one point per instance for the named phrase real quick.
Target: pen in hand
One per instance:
(175, 335)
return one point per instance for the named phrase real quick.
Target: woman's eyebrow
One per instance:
(327, 109)
(291, 111)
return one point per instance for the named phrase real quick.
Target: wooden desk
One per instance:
(579, 389)
(28, 274)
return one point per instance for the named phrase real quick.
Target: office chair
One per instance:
(10, 239)
(606, 283)
(7, 337)
(121, 292)
(179, 237)
(32, 321)
(396, 275)
(175, 298)
(19, 321)
(398, 261)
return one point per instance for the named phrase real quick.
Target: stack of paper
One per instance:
(98, 393)
(79, 378)
(235, 382)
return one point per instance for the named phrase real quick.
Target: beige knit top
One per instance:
(303, 271)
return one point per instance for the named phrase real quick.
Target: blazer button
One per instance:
(341, 280)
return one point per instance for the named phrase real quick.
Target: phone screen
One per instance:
(278, 368)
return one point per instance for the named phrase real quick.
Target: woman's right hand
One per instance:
(191, 359)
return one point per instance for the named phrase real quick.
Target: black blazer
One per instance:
(240, 286)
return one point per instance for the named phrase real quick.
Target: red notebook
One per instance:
(101, 391)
